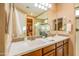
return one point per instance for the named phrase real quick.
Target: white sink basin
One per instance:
(40, 41)
(35, 42)
(48, 39)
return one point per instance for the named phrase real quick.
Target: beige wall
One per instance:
(2, 29)
(66, 11)
(51, 17)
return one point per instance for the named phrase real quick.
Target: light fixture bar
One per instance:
(43, 6)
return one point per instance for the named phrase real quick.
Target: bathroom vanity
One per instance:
(57, 49)
(50, 46)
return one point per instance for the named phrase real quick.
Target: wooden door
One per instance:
(29, 27)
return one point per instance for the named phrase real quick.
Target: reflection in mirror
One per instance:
(19, 25)
(60, 24)
(34, 24)
(42, 28)
(54, 25)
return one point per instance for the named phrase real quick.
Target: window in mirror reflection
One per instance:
(60, 24)
(42, 28)
(54, 25)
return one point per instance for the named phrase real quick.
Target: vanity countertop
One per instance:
(19, 48)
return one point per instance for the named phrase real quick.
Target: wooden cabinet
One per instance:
(66, 49)
(51, 53)
(59, 43)
(62, 48)
(65, 41)
(35, 53)
(57, 49)
(60, 51)
(48, 49)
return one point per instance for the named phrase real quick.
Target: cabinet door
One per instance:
(59, 43)
(29, 27)
(66, 41)
(48, 49)
(66, 49)
(52, 53)
(59, 51)
(35, 53)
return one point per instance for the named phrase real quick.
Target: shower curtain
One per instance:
(14, 28)
(17, 27)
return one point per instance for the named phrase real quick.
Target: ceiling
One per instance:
(34, 11)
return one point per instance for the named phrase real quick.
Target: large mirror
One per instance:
(31, 19)
(37, 19)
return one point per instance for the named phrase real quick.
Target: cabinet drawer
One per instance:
(59, 43)
(48, 48)
(66, 49)
(60, 51)
(52, 53)
(65, 41)
(35, 53)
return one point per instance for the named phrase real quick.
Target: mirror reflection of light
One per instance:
(37, 24)
(39, 6)
(45, 8)
(77, 12)
(42, 3)
(36, 4)
(42, 7)
(24, 28)
(49, 6)
(46, 4)
(46, 21)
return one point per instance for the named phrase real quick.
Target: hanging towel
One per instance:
(69, 27)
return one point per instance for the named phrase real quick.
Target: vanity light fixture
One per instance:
(43, 6)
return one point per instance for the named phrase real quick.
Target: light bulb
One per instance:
(36, 4)
(49, 6)
(45, 8)
(42, 7)
(46, 4)
(42, 3)
(45, 21)
(37, 24)
(39, 6)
